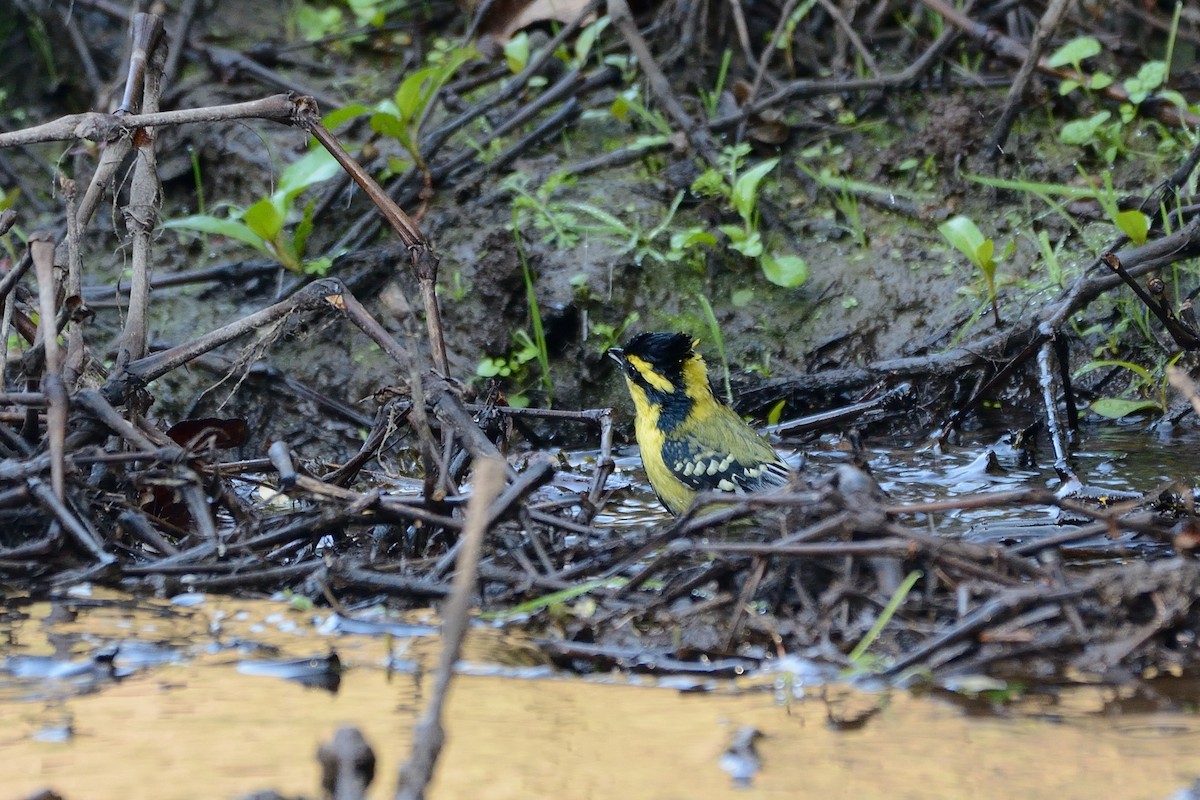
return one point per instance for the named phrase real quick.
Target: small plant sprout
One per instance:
(1147, 389)
(742, 193)
(964, 234)
(611, 335)
(264, 225)
(402, 116)
(1131, 222)
(1073, 54)
(718, 339)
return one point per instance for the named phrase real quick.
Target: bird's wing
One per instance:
(705, 469)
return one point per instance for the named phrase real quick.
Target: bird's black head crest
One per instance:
(664, 351)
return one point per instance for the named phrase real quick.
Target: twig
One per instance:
(97, 127)
(1016, 93)
(429, 735)
(622, 17)
(41, 250)
(141, 214)
(1012, 50)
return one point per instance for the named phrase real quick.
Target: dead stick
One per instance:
(424, 262)
(429, 735)
(97, 127)
(76, 355)
(1180, 380)
(141, 213)
(660, 87)
(1016, 93)
(41, 250)
(1046, 380)
(312, 297)
(71, 522)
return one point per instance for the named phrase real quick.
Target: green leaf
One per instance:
(1152, 74)
(587, 39)
(776, 412)
(304, 229)
(751, 246)
(965, 236)
(984, 254)
(367, 12)
(265, 219)
(1100, 81)
(1083, 131)
(745, 189)
(1136, 369)
(388, 124)
(313, 24)
(692, 237)
(620, 108)
(554, 598)
(600, 215)
(1134, 224)
(1116, 408)
(736, 233)
(516, 52)
(1074, 52)
(345, 114)
(489, 367)
(786, 271)
(318, 266)
(1066, 87)
(414, 92)
(317, 165)
(230, 228)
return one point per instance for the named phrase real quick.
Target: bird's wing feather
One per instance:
(704, 469)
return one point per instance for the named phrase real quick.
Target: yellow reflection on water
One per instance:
(202, 730)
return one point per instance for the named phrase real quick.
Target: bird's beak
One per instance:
(617, 355)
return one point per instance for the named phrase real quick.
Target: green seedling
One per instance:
(711, 100)
(965, 236)
(628, 104)
(785, 41)
(518, 50)
(1100, 131)
(314, 22)
(1073, 54)
(1131, 222)
(560, 225)
(611, 336)
(271, 225)
(529, 347)
(402, 116)
(538, 340)
(718, 340)
(861, 662)
(741, 190)
(1144, 382)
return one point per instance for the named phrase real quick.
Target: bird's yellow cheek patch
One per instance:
(649, 375)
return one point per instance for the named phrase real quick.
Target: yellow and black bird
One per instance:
(690, 441)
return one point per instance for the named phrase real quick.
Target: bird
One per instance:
(689, 440)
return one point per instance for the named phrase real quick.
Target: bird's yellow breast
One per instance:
(675, 495)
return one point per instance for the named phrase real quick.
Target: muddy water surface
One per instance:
(178, 716)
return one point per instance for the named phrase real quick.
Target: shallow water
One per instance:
(104, 696)
(1125, 458)
(184, 722)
